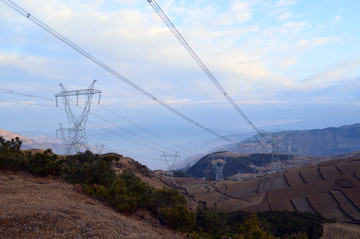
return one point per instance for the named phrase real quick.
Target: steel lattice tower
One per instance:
(170, 160)
(275, 157)
(218, 166)
(74, 137)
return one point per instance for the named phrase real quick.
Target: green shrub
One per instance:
(170, 207)
(211, 221)
(43, 163)
(11, 157)
(129, 193)
(288, 223)
(88, 168)
(180, 174)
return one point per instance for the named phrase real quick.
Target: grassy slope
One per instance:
(36, 207)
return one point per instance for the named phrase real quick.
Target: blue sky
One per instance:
(288, 64)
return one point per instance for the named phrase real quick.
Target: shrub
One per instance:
(88, 168)
(129, 193)
(43, 163)
(170, 207)
(11, 157)
(290, 223)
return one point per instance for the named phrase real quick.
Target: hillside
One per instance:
(330, 188)
(246, 166)
(38, 207)
(315, 142)
(28, 143)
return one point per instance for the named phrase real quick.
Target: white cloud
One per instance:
(307, 45)
(286, 2)
(288, 62)
(295, 25)
(281, 122)
(284, 16)
(242, 11)
(337, 18)
(29, 63)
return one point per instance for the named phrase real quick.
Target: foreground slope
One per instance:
(36, 207)
(331, 189)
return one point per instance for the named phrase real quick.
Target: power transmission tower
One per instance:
(170, 160)
(275, 158)
(239, 175)
(99, 148)
(218, 166)
(74, 137)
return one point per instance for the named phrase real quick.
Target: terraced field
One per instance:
(331, 189)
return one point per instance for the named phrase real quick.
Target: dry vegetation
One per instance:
(38, 207)
(341, 231)
(289, 191)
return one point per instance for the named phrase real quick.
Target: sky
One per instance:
(288, 64)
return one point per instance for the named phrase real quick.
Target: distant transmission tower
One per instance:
(170, 160)
(99, 148)
(74, 137)
(275, 158)
(218, 166)
(239, 175)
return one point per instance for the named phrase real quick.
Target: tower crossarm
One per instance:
(78, 92)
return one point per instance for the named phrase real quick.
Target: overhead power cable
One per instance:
(129, 132)
(51, 31)
(96, 125)
(146, 130)
(12, 92)
(188, 48)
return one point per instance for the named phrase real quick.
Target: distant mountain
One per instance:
(316, 142)
(245, 166)
(28, 143)
(206, 146)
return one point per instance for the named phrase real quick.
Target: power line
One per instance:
(197, 59)
(12, 92)
(113, 132)
(36, 21)
(26, 103)
(107, 121)
(129, 132)
(146, 130)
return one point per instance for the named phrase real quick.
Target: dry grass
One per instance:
(294, 178)
(279, 191)
(34, 207)
(341, 231)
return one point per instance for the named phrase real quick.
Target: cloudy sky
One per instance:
(288, 64)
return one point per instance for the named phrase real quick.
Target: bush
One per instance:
(129, 193)
(11, 157)
(285, 223)
(88, 168)
(43, 163)
(170, 207)
(180, 174)
(211, 221)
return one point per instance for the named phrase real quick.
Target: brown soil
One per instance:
(36, 207)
